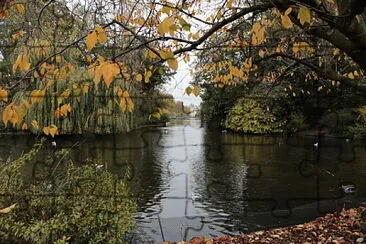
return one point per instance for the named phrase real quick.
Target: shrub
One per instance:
(252, 116)
(79, 204)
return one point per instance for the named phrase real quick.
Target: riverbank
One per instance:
(348, 226)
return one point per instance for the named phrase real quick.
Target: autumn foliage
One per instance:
(345, 227)
(315, 35)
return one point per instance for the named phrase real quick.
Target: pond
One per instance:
(190, 181)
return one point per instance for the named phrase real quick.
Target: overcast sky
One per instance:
(179, 83)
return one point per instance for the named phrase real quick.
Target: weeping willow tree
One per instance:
(73, 100)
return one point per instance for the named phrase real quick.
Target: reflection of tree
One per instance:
(273, 179)
(248, 174)
(135, 150)
(226, 176)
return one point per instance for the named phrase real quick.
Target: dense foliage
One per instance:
(301, 99)
(251, 116)
(74, 204)
(63, 94)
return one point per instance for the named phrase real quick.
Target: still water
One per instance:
(191, 181)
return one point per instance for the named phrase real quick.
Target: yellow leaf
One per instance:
(172, 29)
(35, 124)
(125, 94)
(140, 21)
(164, 26)
(359, 18)
(261, 53)
(300, 46)
(351, 76)
(109, 72)
(57, 113)
(37, 95)
(258, 34)
(118, 91)
(166, 54)
(138, 77)
(21, 63)
(85, 88)
(17, 35)
(35, 74)
(58, 58)
(102, 38)
(7, 114)
(288, 11)
(196, 91)
(120, 18)
(53, 130)
(248, 63)
(49, 84)
(165, 10)
(3, 95)
(336, 51)
(25, 126)
(65, 109)
(186, 58)
(152, 54)
(91, 40)
(8, 209)
(46, 130)
(130, 104)
(70, 67)
(148, 74)
(286, 22)
(66, 93)
(98, 75)
(173, 63)
(230, 3)
(195, 36)
(304, 15)
(123, 105)
(20, 8)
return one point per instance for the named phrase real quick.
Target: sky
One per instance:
(180, 81)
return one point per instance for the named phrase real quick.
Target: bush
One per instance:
(251, 116)
(78, 205)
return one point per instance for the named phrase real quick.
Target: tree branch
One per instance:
(357, 83)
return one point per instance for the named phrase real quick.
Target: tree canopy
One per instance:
(43, 41)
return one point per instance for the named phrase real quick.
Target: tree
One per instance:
(63, 83)
(314, 34)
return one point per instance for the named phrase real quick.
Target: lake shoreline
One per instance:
(347, 226)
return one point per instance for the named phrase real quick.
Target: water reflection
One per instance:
(190, 181)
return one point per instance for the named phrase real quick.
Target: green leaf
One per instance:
(188, 90)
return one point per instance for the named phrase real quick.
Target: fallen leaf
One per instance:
(8, 209)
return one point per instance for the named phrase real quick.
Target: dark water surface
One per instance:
(190, 181)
